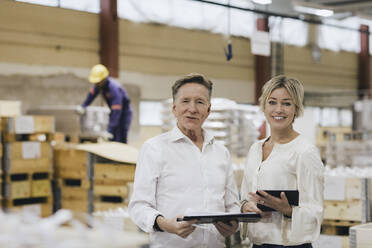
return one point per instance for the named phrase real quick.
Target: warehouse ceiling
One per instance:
(333, 9)
(340, 8)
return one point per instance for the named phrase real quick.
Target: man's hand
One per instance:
(80, 110)
(226, 229)
(182, 228)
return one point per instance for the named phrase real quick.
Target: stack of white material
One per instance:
(116, 218)
(27, 230)
(234, 125)
(349, 153)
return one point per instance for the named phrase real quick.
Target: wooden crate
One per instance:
(42, 206)
(28, 124)
(27, 157)
(345, 199)
(114, 171)
(24, 185)
(361, 236)
(73, 164)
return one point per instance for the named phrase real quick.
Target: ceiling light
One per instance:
(262, 1)
(314, 11)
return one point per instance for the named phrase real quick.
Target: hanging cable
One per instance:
(228, 51)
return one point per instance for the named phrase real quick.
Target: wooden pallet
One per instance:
(337, 227)
(343, 210)
(42, 206)
(27, 185)
(114, 171)
(74, 182)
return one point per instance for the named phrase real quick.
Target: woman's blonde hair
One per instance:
(292, 85)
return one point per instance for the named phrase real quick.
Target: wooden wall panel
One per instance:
(33, 34)
(335, 70)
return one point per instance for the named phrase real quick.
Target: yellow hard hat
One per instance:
(98, 73)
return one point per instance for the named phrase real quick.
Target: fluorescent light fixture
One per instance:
(262, 1)
(314, 11)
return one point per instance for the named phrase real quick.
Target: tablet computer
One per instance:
(224, 217)
(292, 196)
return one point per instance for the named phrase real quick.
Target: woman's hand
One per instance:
(280, 204)
(251, 206)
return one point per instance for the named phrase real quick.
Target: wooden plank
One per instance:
(106, 190)
(111, 182)
(28, 166)
(42, 210)
(18, 189)
(40, 188)
(104, 206)
(114, 171)
(73, 193)
(343, 210)
(72, 174)
(76, 205)
(68, 157)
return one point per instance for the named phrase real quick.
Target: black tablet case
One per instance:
(292, 196)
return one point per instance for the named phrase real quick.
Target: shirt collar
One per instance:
(176, 134)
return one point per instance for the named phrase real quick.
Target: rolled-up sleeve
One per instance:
(308, 216)
(142, 206)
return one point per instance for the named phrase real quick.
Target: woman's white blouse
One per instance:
(292, 166)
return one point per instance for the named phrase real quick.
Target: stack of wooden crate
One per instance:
(73, 177)
(93, 177)
(347, 203)
(112, 184)
(27, 163)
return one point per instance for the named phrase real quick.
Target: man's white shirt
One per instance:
(173, 178)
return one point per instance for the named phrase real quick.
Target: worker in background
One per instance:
(184, 170)
(283, 161)
(116, 98)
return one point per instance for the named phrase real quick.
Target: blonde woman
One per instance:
(283, 161)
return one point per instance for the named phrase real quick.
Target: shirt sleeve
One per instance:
(142, 206)
(308, 216)
(91, 96)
